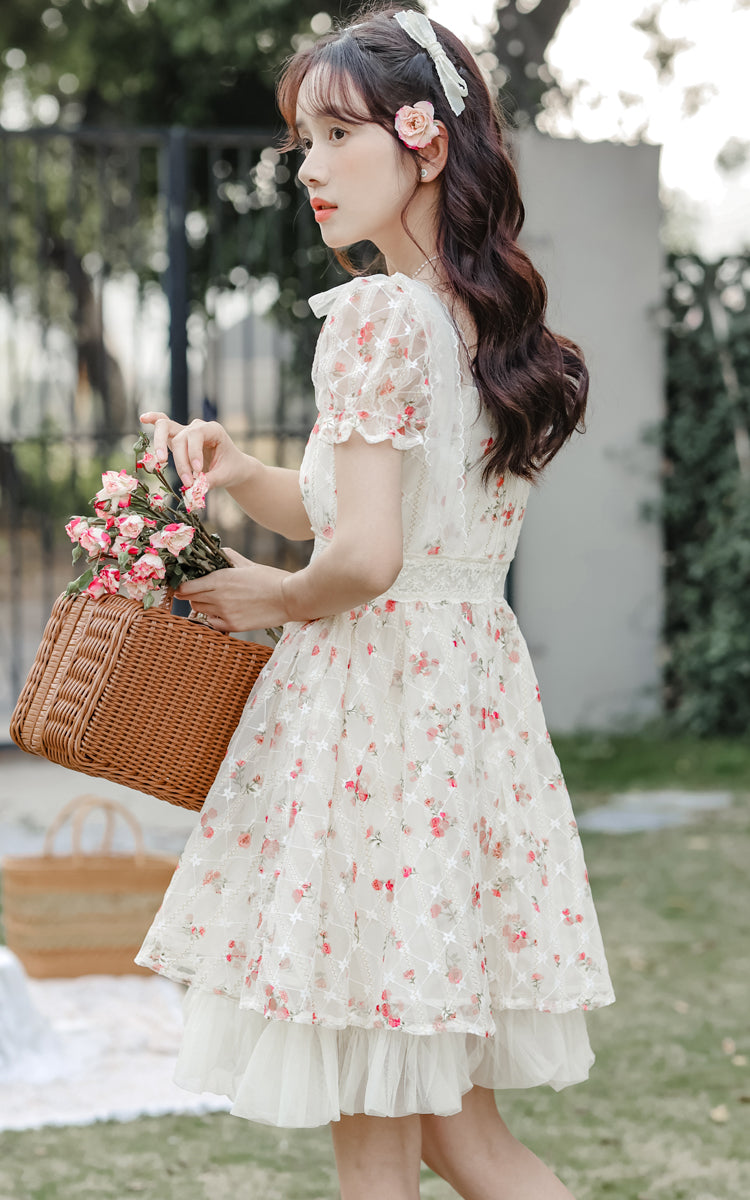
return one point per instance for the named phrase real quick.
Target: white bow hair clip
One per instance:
(420, 30)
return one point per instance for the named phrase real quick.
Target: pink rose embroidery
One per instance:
(415, 125)
(439, 825)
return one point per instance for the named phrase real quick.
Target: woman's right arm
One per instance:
(269, 495)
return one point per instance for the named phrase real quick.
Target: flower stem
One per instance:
(216, 551)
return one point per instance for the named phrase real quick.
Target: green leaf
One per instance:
(149, 600)
(81, 582)
(78, 552)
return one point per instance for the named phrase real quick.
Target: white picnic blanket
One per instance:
(96, 1048)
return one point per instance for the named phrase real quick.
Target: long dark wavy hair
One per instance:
(532, 383)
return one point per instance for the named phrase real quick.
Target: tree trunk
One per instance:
(535, 30)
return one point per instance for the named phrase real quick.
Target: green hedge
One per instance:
(706, 497)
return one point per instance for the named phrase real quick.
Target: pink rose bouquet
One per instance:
(139, 541)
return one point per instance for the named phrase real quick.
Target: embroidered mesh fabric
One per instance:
(387, 878)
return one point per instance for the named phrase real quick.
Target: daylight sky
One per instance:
(597, 44)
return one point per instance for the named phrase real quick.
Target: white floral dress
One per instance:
(385, 898)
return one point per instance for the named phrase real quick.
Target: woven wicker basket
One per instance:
(83, 914)
(142, 698)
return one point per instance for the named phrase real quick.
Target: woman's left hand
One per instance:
(235, 599)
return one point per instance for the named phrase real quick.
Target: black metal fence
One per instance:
(151, 268)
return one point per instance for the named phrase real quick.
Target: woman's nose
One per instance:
(312, 171)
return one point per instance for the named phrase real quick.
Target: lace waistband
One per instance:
(435, 579)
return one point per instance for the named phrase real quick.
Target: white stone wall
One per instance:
(588, 577)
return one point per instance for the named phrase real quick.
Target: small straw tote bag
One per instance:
(139, 697)
(83, 914)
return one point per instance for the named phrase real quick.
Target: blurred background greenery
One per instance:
(72, 72)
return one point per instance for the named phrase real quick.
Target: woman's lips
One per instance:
(322, 214)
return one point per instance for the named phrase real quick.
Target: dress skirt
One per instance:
(384, 900)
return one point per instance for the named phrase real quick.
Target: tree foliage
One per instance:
(129, 64)
(156, 62)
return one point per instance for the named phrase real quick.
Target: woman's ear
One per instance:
(433, 156)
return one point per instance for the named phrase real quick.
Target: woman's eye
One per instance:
(304, 145)
(337, 134)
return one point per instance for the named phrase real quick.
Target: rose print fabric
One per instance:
(385, 898)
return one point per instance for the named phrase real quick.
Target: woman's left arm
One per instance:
(362, 561)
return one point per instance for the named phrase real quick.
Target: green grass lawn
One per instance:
(623, 762)
(673, 1053)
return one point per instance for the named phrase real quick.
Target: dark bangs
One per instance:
(357, 77)
(331, 91)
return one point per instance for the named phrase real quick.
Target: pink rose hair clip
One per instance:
(415, 124)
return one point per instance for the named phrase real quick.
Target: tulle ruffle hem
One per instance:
(298, 1076)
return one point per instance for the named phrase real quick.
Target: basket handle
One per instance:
(79, 809)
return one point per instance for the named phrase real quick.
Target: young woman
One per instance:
(384, 913)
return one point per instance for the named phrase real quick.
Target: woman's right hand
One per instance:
(200, 446)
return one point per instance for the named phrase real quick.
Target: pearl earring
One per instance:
(423, 172)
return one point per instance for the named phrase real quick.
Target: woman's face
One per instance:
(358, 178)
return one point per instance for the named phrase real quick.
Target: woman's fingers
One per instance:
(235, 557)
(197, 591)
(164, 428)
(187, 442)
(200, 436)
(161, 439)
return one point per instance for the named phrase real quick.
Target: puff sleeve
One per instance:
(370, 369)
